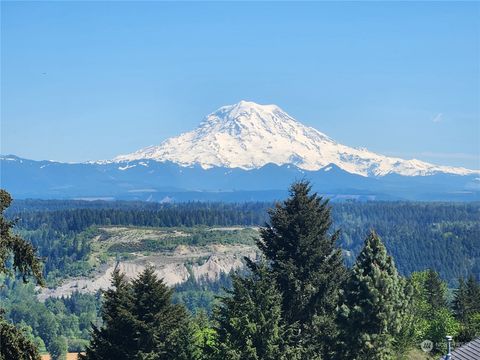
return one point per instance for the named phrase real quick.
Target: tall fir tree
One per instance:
(436, 290)
(375, 304)
(140, 322)
(163, 328)
(466, 306)
(473, 295)
(12, 246)
(249, 320)
(461, 302)
(307, 266)
(14, 344)
(117, 338)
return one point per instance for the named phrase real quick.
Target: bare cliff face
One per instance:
(174, 267)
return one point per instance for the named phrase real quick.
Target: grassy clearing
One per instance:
(114, 240)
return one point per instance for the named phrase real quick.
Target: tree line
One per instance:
(299, 302)
(442, 236)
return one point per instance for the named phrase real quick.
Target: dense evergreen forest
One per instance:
(318, 294)
(441, 236)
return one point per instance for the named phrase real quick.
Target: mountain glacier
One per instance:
(248, 136)
(241, 152)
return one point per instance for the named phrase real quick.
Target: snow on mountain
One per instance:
(248, 135)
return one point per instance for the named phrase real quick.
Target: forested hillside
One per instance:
(304, 287)
(442, 236)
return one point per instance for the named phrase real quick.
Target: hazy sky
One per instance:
(91, 80)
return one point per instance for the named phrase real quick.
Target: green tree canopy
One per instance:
(25, 260)
(432, 321)
(466, 306)
(116, 339)
(374, 305)
(306, 264)
(436, 290)
(58, 348)
(14, 345)
(140, 322)
(249, 320)
(163, 328)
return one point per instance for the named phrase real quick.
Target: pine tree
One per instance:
(374, 304)
(473, 295)
(164, 329)
(249, 320)
(306, 264)
(460, 302)
(436, 290)
(141, 323)
(58, 348)
(14, 345)
(25, 259)
(466, 305)
(117, 338)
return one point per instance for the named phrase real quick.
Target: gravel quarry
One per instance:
(175, 266)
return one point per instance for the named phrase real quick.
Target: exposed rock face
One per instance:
(203, 263)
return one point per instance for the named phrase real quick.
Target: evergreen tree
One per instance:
(249, 320)
(375, 304)
(466, 305)
(164, 329)
(431, 322)
(14, 345)
(473, 295)
(117, 338)
(58, 348)
(421, 310)
(436, 290)
(25, 260)
(306, 264)
(204, 336)
(461, 302)
(141, 323)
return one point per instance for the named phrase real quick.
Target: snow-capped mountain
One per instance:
(241, 152)
(248, 136)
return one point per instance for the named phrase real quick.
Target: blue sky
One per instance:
(91, 80)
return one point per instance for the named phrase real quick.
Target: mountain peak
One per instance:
(247, 119)
(250, 106)
(248, 135)
(248, 110)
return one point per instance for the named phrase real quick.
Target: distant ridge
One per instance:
(241, 152)
(152, 180)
